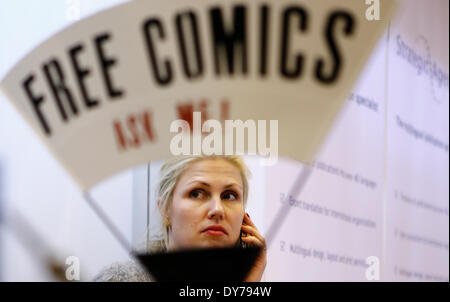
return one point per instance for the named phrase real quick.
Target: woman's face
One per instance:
(207, 207)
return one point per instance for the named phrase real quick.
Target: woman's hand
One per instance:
(254, 238)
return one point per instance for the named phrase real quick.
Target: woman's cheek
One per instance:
(237, 223)
(191, 218)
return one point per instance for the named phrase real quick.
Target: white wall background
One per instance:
(33, 182)
(369, 168)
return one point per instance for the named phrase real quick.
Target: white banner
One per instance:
(103, 93)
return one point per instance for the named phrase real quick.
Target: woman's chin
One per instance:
(208, 243)
(217, 244)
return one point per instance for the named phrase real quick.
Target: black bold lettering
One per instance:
(303, 26)
(193, 28)
(36, 102)
(337, 61)
(58, 87)
(81, 73)
(264, 38)
(226, 42)
(160, 79)
(106, 64)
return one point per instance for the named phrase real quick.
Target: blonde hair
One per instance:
(170, 173)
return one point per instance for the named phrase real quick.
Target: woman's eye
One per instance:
(230, 195)
(196, 194)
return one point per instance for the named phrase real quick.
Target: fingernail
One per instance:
(248, 215)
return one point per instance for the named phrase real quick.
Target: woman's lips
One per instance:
(215, 230)
(215, 233)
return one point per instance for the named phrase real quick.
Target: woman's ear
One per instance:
(159, 204)
(160, 208)
(165, 213)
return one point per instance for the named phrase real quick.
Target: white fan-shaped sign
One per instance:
(103, 93)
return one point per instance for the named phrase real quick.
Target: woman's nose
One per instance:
(216, 209)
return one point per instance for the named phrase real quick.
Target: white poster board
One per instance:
(417, 158)
(336, 223)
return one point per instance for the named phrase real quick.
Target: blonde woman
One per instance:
(202, 202)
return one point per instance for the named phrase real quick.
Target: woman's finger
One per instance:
(248, 221)
(252, 240)
(252, 231)
(251, 228)
(257, 236)
(255, 242)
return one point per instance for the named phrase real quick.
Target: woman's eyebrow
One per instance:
(233, 184)
(208, 185)
(201, 182)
